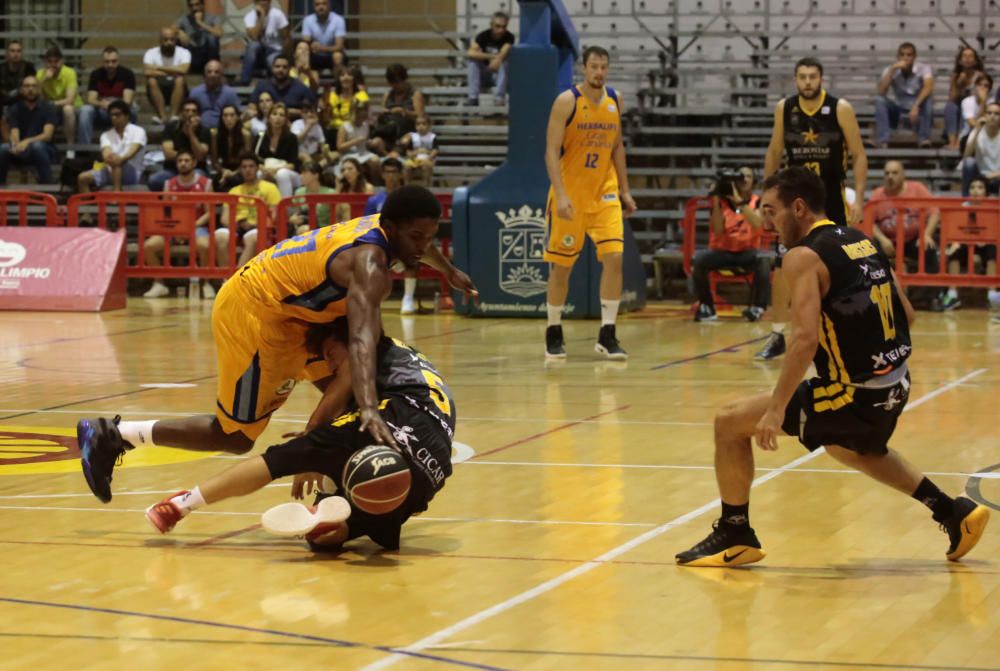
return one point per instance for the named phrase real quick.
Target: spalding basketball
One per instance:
(377, 479)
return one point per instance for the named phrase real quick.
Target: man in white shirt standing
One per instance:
(164, 67)
(121, 152)
(267, 32)
(325, 31)
(982, 152)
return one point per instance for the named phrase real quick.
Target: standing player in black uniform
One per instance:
(415, 404)
(815, 130)
(852, 321)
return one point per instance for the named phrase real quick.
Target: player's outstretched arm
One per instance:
(859, 159)
(456, 278)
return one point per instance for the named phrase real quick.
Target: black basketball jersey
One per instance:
(816, 141)
(404, 372)
(863, 331)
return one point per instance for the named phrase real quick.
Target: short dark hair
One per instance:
(121, 106)
(906, 45)
(798, 182)
(501, 15)
(809, 62)
(110, 50)
(394, 162)
(281, 57)
(191, 101)
(249, 156)
(317, 334)
(594, 51)
(411, 202)
(184, 151)
(985, 78)
(53, 52)
(396, 73)
(981, 180)
(313, 167)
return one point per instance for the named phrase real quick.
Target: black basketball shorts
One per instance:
(857, 418)
(422, 439)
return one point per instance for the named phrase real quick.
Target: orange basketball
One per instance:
(377, 479)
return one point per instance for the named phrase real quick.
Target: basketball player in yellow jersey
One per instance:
(585, 159)
(260, 320)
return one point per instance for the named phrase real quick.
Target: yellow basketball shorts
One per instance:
(564, 238)
(260, 360)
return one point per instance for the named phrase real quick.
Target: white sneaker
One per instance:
(407, 308)
(291, 520)
(207, 291)
(158, 290)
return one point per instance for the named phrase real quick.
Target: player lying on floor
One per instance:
(383, 486)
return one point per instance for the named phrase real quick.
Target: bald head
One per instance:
(894, 176)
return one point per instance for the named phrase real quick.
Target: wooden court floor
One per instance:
(552, 545)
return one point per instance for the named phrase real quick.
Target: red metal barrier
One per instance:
(25, 201)
(173, 216)
(965, 221)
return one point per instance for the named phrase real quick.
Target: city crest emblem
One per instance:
(522, 245)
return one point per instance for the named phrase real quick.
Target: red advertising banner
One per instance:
(61, 269)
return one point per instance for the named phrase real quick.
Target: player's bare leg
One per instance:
(611, 295)
(557, 289)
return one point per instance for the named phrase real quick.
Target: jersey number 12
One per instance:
(591, 161)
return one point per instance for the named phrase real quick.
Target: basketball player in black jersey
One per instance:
(815, 130)
(852, 322)
(415, 404)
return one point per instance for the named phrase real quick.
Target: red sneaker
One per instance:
(165, 515)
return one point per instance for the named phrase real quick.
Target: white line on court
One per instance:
(549, 585)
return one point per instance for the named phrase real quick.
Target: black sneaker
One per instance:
(101, 448)
(965, 527)
(607, 344)
(753, 313)
(773, 348)
(554, 343)
(725, 546)
(705, 313)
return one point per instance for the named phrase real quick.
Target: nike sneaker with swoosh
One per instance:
(965, 527)
(726, 546)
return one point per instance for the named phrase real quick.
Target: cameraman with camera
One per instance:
(735, 228)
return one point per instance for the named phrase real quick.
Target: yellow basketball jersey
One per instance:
(592, 131)
(290, 279)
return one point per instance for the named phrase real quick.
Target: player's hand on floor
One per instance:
(373, 423)
(461, 281)
(304, 484)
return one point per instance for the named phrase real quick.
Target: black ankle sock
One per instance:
(940, 503)
(736, 516)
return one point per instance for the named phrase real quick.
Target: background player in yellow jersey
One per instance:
(259, 323)
(585, 159)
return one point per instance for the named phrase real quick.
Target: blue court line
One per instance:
(253, 630)
(730, 348)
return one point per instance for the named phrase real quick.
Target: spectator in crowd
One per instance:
(121, 153)
(13, 70)
(278, 150)
(311, 186)
(267, 32)
(164, 68)
(967, 71)
(911, 84)
(392, 174)
(421, 152)
(283, 89)
(301, 69)
(29, 124)
(246, 212)
(312, 141)
(889, 218)
(214, 94)
(230, 140)
(112, 81)
(354, 139)
(335, 106)
(60, 87)
(487, 64)
(255, 115)
(352, 180)
(734, 242)
(958, 253)
(185, 133)
(974, 106)
(199, 33)
(189, 181)
(325, 31)
(402, 103)
(981, 157)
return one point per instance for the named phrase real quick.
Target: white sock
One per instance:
(190, 501)
(952, 292)
(778, 327)
(409, 288)
(555, 314)
(609, 311)
(137, 433)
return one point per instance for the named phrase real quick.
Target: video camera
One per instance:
(725, 181)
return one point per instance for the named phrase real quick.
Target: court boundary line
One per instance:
(601, 560)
